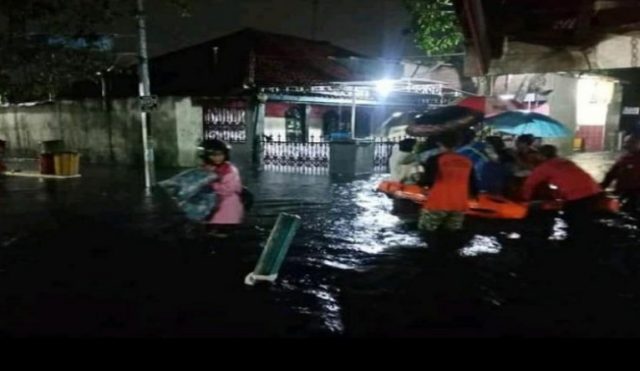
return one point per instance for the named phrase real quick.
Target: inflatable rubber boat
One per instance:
(485, 205)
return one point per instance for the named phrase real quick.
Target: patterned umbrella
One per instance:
(397, 121)
(443, 119)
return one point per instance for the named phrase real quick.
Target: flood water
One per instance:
(97, 256)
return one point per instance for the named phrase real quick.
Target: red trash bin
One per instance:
(47, 165)
(3, 146)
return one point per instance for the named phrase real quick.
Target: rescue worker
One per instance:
(495, 172)
(626, 175)
(451, 179)
(526, 159)
(578, 189)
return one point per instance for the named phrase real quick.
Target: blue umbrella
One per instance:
(536, 124)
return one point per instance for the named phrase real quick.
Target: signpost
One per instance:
(148, 103)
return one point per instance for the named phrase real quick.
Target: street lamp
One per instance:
(384, 87)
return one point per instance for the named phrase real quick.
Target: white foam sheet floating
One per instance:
(275, 250)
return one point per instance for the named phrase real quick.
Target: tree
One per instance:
(46, 45)
(437, 32)
(435, 26)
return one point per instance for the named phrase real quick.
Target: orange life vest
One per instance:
(450, 192)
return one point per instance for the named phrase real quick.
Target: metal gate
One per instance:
(313, 156)
(310, 157)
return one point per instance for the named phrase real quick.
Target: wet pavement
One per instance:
(97, 256)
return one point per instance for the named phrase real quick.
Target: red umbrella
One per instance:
(491, 106)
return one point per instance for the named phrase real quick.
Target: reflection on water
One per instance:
(559, 232)
(348, 234)
(355, 228)
(481, 245)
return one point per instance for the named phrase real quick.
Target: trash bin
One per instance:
(47, 164)
(66, 163)
(75, 163)
(351, 158)
(578, 144)
(58, 164)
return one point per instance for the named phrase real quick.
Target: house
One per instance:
(246, 87)
(310, 85)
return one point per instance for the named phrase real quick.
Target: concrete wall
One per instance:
(188, 131)
(124, 138)
(164, 133)
(562, 107)
(100, 134)
(105, 133)
(440, 71)
(111, 134)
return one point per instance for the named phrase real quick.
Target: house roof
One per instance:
(262, 41)
(251, 57)
(286, 59)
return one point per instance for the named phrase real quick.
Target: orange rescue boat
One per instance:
(485, 205)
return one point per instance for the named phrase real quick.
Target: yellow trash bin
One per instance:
(57, 163)
(66, 163)
(75, 163)
(578, 144)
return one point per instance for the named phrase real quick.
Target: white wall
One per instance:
(189, 131)
(592, 99)
(276, 126)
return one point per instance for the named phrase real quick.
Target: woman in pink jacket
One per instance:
(228, 185)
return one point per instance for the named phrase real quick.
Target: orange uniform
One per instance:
(451, 187)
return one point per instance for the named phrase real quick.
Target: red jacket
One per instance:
(626, 173)
(571, 181)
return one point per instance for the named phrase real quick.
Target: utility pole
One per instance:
(314, 20)
(145, 91)
(353, 112)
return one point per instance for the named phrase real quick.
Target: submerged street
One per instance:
(95, 256)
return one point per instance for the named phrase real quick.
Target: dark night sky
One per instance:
(372, 27)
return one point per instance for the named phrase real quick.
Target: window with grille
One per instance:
(225, 123)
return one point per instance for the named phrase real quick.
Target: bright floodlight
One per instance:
(384, 87)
